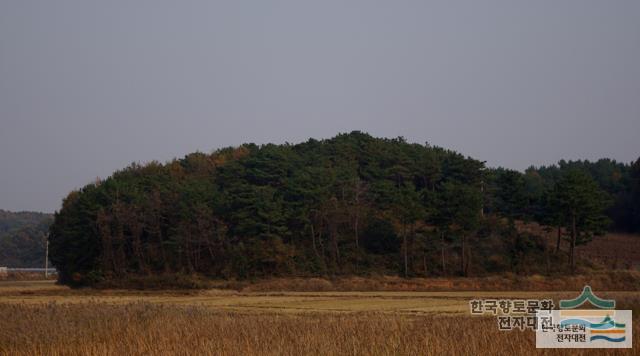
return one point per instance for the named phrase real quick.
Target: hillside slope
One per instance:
(353, 204)
(22, 238)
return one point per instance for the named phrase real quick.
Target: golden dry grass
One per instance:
(30, 293)
(146, 329)
(619, 280)
(39, 318)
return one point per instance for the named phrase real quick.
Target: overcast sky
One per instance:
(88, 87)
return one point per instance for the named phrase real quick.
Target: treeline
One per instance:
(353, 204)
(22, 238)
(620, 182)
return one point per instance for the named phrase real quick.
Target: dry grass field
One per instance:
(40, 318)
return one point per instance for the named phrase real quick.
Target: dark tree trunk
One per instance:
(467, 262)
(547, 258)
(404, 243)
(462, 257)
(424, 263)
(442, 249)
(572, 257)
(313, 239)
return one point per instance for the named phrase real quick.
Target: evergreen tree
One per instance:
(581, 203)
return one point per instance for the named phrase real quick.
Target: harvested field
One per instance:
(40, 318)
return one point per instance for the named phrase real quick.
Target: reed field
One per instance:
(40, 318)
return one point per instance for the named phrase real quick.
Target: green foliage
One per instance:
(14, 221)
(511, 194)
(22, 238)
(630, 202)
(381, 238)
(614, 178)
(350, 204)
(579, 197)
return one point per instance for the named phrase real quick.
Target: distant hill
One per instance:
(11, 221)
(22, 235)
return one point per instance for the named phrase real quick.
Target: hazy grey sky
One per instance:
(88, 87)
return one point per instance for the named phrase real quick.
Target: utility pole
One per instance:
(46, 257)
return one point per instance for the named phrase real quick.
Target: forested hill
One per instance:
(11, 221)
(22, 238)
(353, 204)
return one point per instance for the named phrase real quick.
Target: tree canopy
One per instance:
(22, 238)
(352, 204)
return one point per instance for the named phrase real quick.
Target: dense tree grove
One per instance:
(352, 204)
(22, 238)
